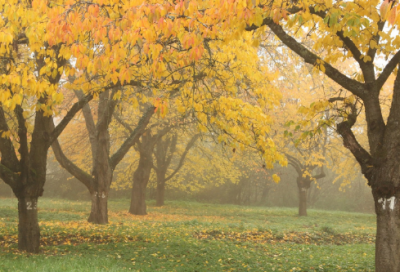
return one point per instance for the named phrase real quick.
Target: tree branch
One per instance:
(366, 67)
(8, 156)
(188, 147)
(295, 163)
(23, 140)
(387, 71)
(73, 169)
(123, 123)
(106, 109)
(353, 86)
(90, 125)
(8, 176)
(172, 149)
(351, 143)
(320, 175)
(135, 135)
(68, 117)
(372, 51)
(391, 134)
(162, 132)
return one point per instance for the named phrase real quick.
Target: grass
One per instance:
(189, 236)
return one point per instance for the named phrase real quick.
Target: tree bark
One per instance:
(28, 226)
(160, 192)
(138, 199)
(302, 201)
(165, 150)
(303, 183)
(387, 234)
(142, 175)
(103, 174)
(386, 192)
(99, 212)
(140, 179)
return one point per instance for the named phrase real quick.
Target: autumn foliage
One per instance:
(219, 70)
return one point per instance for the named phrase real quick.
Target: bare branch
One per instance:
(72, 168)
(182, 159)
(352, 85)
(387, 71)
(135, 135)
(68, 117)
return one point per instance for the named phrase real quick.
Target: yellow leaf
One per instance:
(384, 9)
(322, 68)
(373, 44)
(276, 178)
(367, 58)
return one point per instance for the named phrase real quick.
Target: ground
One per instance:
(189, 236)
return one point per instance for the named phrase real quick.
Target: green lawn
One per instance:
(188, 236)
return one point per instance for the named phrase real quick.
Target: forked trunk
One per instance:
(160, 194)
(28, 227)
(302, 201)
(387, 250)
(138, 199)
(98, 213)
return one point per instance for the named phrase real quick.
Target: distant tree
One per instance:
(99, 180)
(165, 150)
(304, 180)
(145, 148)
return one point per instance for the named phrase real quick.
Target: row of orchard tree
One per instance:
(139, 58)
(210, 63)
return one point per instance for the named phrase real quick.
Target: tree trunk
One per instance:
(103, 177)
(138, 199)
(28, 227)
(99, 213)
(161, 186)
(160, 194)
(387, 242)
(142, 174)
(302, 201)
(264, 194)
(303, 183)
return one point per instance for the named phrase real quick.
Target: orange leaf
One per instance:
(384, 9)
(392, 16)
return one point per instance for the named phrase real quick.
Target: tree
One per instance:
(254, 181)
(31, 70)
(164, 152)
(99, 180)
(300, 86)
(145, 147)
(359, 31)
(141, 176)
(194, 164)
(304, 181)
(180, 63)
(162, 43)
